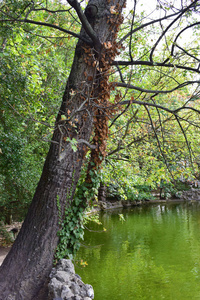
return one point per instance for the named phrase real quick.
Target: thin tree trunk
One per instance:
(25, 270)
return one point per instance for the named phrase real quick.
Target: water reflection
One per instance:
(154, 254)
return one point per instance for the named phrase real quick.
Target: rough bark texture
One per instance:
(25, 271)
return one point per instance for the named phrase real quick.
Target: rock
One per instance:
(55, 287)
(75, 288)
(78, 276)
(90, 291)
(66, 264)
(66, 285)
(62, 276)
(103, 205)
(66, 292)
(191, 195)
(77, 298)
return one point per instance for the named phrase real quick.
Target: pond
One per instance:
(153, 254)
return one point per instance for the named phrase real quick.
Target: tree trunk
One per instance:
(25, 270)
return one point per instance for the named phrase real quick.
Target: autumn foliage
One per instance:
(103, 108)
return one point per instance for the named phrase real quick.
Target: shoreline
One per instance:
(102, 206)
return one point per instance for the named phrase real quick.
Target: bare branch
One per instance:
(151, 64)
(185, 136)
(178, 35)
(146, 25)
(86, 143)
(120, 114)
(175, 111)
(159, 145)
(48, 25)
(186, 52)
(134, 141)
(169, 26)
(51, 11)
(120, 74)
(86, 25)
(133, 87)
(131, 36)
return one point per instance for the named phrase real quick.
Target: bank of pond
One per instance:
(145, 252)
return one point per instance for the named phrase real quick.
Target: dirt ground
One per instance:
(4, 245)
(3, 252)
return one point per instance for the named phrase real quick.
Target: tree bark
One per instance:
(24, 272)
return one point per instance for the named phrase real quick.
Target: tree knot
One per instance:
(91, 11)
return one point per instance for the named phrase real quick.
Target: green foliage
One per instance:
(6, 237)
(167, 189)
(75, 216)
(121, 218)
(136, 157)
(148, 149)
(71, 231)
(113, 191)
(129, 192)
(92, 217)
(138, 194)
(88, 191)
(172, 189)
(73, 142)
(33, 72)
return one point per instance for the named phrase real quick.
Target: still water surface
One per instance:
(153, 254)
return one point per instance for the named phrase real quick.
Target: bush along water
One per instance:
(144, 192)
(129, 192)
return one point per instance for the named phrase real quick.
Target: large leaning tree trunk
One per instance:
(25, 270)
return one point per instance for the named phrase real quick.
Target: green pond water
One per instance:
(153, 254)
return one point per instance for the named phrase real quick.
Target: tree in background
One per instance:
(99, 88)
(33, 72)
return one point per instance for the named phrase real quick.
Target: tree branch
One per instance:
(170, 25)
(145, 25)
(174, 43)
(134, 141)
(133, 87)
(185, 136)
(187, 53)
(159, 145)
(86, 25)
(175, 111)
(153, 64)
(167, 28)
(48, 25)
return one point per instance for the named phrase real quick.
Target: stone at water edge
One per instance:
(66, 285)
